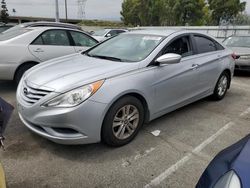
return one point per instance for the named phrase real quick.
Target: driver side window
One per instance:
(181, 46)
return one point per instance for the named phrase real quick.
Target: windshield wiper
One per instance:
(106, 57)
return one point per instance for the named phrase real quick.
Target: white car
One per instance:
(104, 34)
(26, 45)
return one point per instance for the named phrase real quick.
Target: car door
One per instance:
(82, 41)
(176, 83)
(209, 56)
(51, 44)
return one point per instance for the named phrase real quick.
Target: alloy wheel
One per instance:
(125, 122)
(223, 85)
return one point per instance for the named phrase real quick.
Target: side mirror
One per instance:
(108, 35)
(169, 58)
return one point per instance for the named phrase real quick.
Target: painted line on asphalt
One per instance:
(180, 163)
(246, 112)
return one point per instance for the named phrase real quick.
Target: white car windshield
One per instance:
(126, 47)
(238, 41)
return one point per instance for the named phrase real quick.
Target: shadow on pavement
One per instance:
(7, 86)
(242, 73)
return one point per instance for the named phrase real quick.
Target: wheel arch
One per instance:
(23, 64)
(228, 72)
(137, 95)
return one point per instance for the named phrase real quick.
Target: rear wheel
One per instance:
(123, 121)
(21, 70)
(221, 86)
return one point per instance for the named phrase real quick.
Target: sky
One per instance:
(95, 9)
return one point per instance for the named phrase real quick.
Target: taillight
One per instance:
(234, 56)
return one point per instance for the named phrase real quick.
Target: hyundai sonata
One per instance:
(109, 91)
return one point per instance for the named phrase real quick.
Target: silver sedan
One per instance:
(108, 92)
(240, 44)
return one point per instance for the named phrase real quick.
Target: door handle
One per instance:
(195, 66)
(38, 50)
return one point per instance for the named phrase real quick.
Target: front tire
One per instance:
(221, 87)
(123, 121)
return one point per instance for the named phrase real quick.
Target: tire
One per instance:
(21, 71)
(221, 87)
(118, 120)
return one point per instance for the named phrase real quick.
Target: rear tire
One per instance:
(221, 87)
(123, 121)
(21, 70)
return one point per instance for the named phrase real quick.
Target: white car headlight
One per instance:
(74, 97)
(229, 180)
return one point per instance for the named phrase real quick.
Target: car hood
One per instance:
(240, 50)
(73, 71)
(236, 158)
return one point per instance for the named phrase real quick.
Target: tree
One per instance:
(4, 12)
(225, 9)
(163, 12)
(189, 12)
(130, 10)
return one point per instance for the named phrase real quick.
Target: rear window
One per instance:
(12, 34)
(238, 41)
(204, 44)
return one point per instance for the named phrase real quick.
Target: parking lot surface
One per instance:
(171, 151)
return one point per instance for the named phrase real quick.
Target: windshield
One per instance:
(239, 41)
(15, 28)
(4, 28)
(12, 34)
(100, 32)
(126, 47)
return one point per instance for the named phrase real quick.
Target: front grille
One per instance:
(31, 95)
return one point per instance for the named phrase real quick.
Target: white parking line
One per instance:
(246, 112)
(180, 163)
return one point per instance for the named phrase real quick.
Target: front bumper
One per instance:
(242, 64)
(78, 125)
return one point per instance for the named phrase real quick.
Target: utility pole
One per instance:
(57, 11)
(66, 10)
(81, 9)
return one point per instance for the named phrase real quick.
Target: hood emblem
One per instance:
(26, 91)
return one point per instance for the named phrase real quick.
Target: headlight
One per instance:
(229, 180)
(74, 97)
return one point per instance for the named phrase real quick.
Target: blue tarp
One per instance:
(6, 110)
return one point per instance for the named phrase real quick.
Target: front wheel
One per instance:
(123, 121)
(221, 86)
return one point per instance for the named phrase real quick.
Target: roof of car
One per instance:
(244, 35)
(159, 32)
(51, 24)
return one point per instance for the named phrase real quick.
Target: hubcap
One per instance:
(125, 122)
(222, 87)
